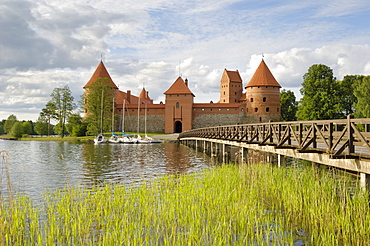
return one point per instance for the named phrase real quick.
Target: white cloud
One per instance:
(48, 44)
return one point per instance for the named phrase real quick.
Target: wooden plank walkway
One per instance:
(340, 139)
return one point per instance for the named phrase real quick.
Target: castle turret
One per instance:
(263, 96)
(178, 109)
(231, 87)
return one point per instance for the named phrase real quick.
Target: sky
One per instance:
(47, 44)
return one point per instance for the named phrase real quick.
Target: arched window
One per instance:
(252, 99)
(255, 109)
(264, 99)
(267, 109)
(177, 105)
(278, 109)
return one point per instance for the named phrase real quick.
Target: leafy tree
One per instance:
(348, 98)
(27, 127)
(17, 130)
(48, 113)
(8, 125)
(75, 126)
(362, 93)
(42, 126)
(2, 127)
(62, 106)
(288, 105)
(98, 106)
(321, 95)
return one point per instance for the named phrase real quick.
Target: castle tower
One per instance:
(231, 87)
(100, 72)
(178, 108)
(263, 96)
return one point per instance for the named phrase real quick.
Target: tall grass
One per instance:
(228, 205)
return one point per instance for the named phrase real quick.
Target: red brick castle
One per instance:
(260, 103)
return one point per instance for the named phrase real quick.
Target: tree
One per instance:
(288, 105)
(48, 113)
(8, 125)
(347, 95)
(42, 126)
(27, 127)
(321, 99)
(17, 130)
(362, 93)
(62, 104)
(2, 127)
(75, 126)
(98, 106)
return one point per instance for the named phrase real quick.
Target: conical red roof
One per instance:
(179, 87)
(263, 77)
(100, 72)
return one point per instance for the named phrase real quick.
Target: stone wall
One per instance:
(154, 123)
(209, 120)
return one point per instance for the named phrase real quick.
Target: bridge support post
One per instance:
(281, 160)
(223, 153)
(364, 180)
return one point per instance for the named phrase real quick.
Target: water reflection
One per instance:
(36, 166)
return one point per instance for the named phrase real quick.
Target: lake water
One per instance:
(37, 166)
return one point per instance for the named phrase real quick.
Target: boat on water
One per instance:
(100, 139)
(127, 138)
(114, 139)
(146, 139)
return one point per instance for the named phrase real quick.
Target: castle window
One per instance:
(255, 109)
(224, 93)
(251, 99)
(264, 99)
(235, 100)
(260, 119)
(177, 105)
(278, 109)
(235, 93)
(267, 109)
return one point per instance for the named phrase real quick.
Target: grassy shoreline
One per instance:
(228, 205)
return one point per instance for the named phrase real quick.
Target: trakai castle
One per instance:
(260, 103)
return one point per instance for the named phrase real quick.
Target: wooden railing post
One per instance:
(330, 137)
(350, 131)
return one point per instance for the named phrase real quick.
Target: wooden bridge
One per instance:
(342, 143)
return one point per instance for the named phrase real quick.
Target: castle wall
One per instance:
(154, 123)
(209, 120)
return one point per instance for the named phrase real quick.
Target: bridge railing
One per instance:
(343, 138)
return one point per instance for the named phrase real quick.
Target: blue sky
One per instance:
(49, 44)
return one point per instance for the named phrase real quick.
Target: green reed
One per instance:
(228, 205)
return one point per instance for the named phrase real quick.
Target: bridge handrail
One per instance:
(340, 138)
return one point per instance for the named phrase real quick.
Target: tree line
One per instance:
(323, 97)
(62, 109)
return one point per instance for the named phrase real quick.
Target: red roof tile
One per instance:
(100, 72)
(234, 76)
(263, 77)
(179, 87)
